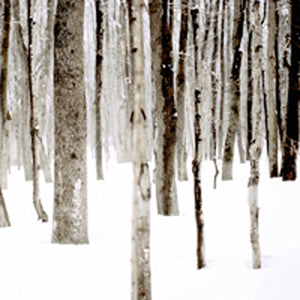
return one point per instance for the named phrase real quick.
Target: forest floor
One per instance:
(33, 268)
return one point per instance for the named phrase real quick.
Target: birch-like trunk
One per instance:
(161, 20)
(98, 86)
(141, 275)
(228, 155)
(198, 138)
(255, 147)
(34, 126)
(181, 94)
(70, 223)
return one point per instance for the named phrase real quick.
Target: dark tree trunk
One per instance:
(290, 145)
(98, 87)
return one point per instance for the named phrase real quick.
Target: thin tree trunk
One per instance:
(141, 274)
(98, 88)
(255, 147)
(70, 223)
(214, 81)
(239, 15)
(271, 91)
(4, 219)
(34, 127)
(291, 136)
(198, 139)
(181, 94)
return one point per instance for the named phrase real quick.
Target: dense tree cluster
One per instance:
(182, 81)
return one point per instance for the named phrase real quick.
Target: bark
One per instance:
(4, 113)
(98, 87)
(141, 275)
(270, 76)
(5, 20)
(34, 126)
(198, 139)
(239, 14)
(291, 136)
(181, 94)
(166, 194)
(70, 224)
(255, 147)
(4, 219)
(214, 81)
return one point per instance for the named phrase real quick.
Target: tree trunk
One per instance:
(34, 126)
(70, 224)
(198, 139)
(181, 94)
(270, 77)
(214, 81)
(98, 87)
(141, 275)
(291, 136)
(255, 147)
(161, 20)
(228, 155)
(4, 219)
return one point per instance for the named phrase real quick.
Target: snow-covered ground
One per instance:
(32, 268)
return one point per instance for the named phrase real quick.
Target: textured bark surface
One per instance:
(98, 88)
(271, 110)
(34, 125)
(70, 126)
(291, 137)
(214, 82)
(198, 140)
(239, 15)
(161, 20)
(141, 274)
(181, 94)
(255, 148)
(4, 114)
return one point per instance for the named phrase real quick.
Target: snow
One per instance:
(33, 268)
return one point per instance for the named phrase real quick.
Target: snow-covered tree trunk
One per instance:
(141, 275)
(161, 19)
(98, 85)
(228, 155)
(256, 144)
(271, 114)
(70, 223)
(34, 126)
(181, 93)
(198, 137)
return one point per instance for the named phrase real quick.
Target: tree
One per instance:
(239, 15)
(34, 125)
(141, 277)
(181, 94)
(161, 20)
(198, 138)
(256, 144)
(291, 132)
(98, 87)
(4, 115)
(70, 126)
